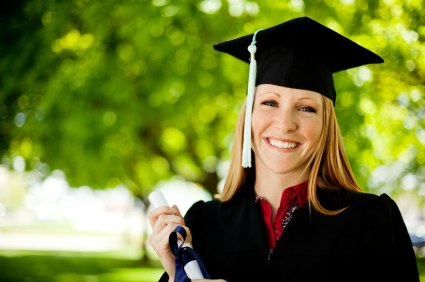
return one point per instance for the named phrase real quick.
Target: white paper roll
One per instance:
(193, 271)
(157, 199)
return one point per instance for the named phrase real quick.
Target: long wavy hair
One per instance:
(329, 166)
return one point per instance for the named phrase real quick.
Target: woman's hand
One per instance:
(163, 221)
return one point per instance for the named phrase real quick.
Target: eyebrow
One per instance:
(270, 93)
(307, 98)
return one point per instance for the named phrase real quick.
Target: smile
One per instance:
(282, 144)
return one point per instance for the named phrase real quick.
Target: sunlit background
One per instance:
(102, 102)
(48, 217)
(49, 214)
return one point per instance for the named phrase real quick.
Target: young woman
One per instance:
(293, 211)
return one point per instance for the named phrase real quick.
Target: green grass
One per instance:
(421, 266)
(74, 267)
(32, 266)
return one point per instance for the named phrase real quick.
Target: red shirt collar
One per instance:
(302, 193)
(291, 196)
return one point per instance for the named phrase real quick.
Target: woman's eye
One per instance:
(307, 109)
(270, 103)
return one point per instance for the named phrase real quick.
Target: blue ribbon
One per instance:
(183, 256)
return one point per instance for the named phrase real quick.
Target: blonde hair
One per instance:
(329, 166)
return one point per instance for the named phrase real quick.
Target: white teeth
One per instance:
(285, 145)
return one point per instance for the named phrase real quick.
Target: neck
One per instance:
(270, 185)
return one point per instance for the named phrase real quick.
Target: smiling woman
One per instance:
(286, 127)
(291, 209)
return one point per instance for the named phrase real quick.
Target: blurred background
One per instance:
(102, 102)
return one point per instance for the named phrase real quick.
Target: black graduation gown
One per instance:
(367, 242)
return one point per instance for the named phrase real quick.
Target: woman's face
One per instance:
(286, 126)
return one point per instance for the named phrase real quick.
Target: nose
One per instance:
(287, 121)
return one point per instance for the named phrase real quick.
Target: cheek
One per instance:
(260, 121)
(256, 122)
(313, 131)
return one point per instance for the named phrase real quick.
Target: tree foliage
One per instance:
(132, 92)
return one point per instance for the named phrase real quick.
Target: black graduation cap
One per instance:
(300, 53)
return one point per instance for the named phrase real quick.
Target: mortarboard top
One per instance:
(300, 53)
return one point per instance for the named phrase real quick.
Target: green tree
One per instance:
(132, 92)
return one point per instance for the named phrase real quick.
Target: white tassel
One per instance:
(246, 150)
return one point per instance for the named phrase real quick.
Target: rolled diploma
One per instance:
(157, 199)
(192, 269)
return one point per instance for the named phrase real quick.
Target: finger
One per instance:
(177, 210)
(167, 224)
(165, 219)
(160, 239)
(162, 236)
(155, 213)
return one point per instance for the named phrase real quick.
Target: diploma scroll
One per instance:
(184, 249)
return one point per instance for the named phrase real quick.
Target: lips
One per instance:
(282, 144)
